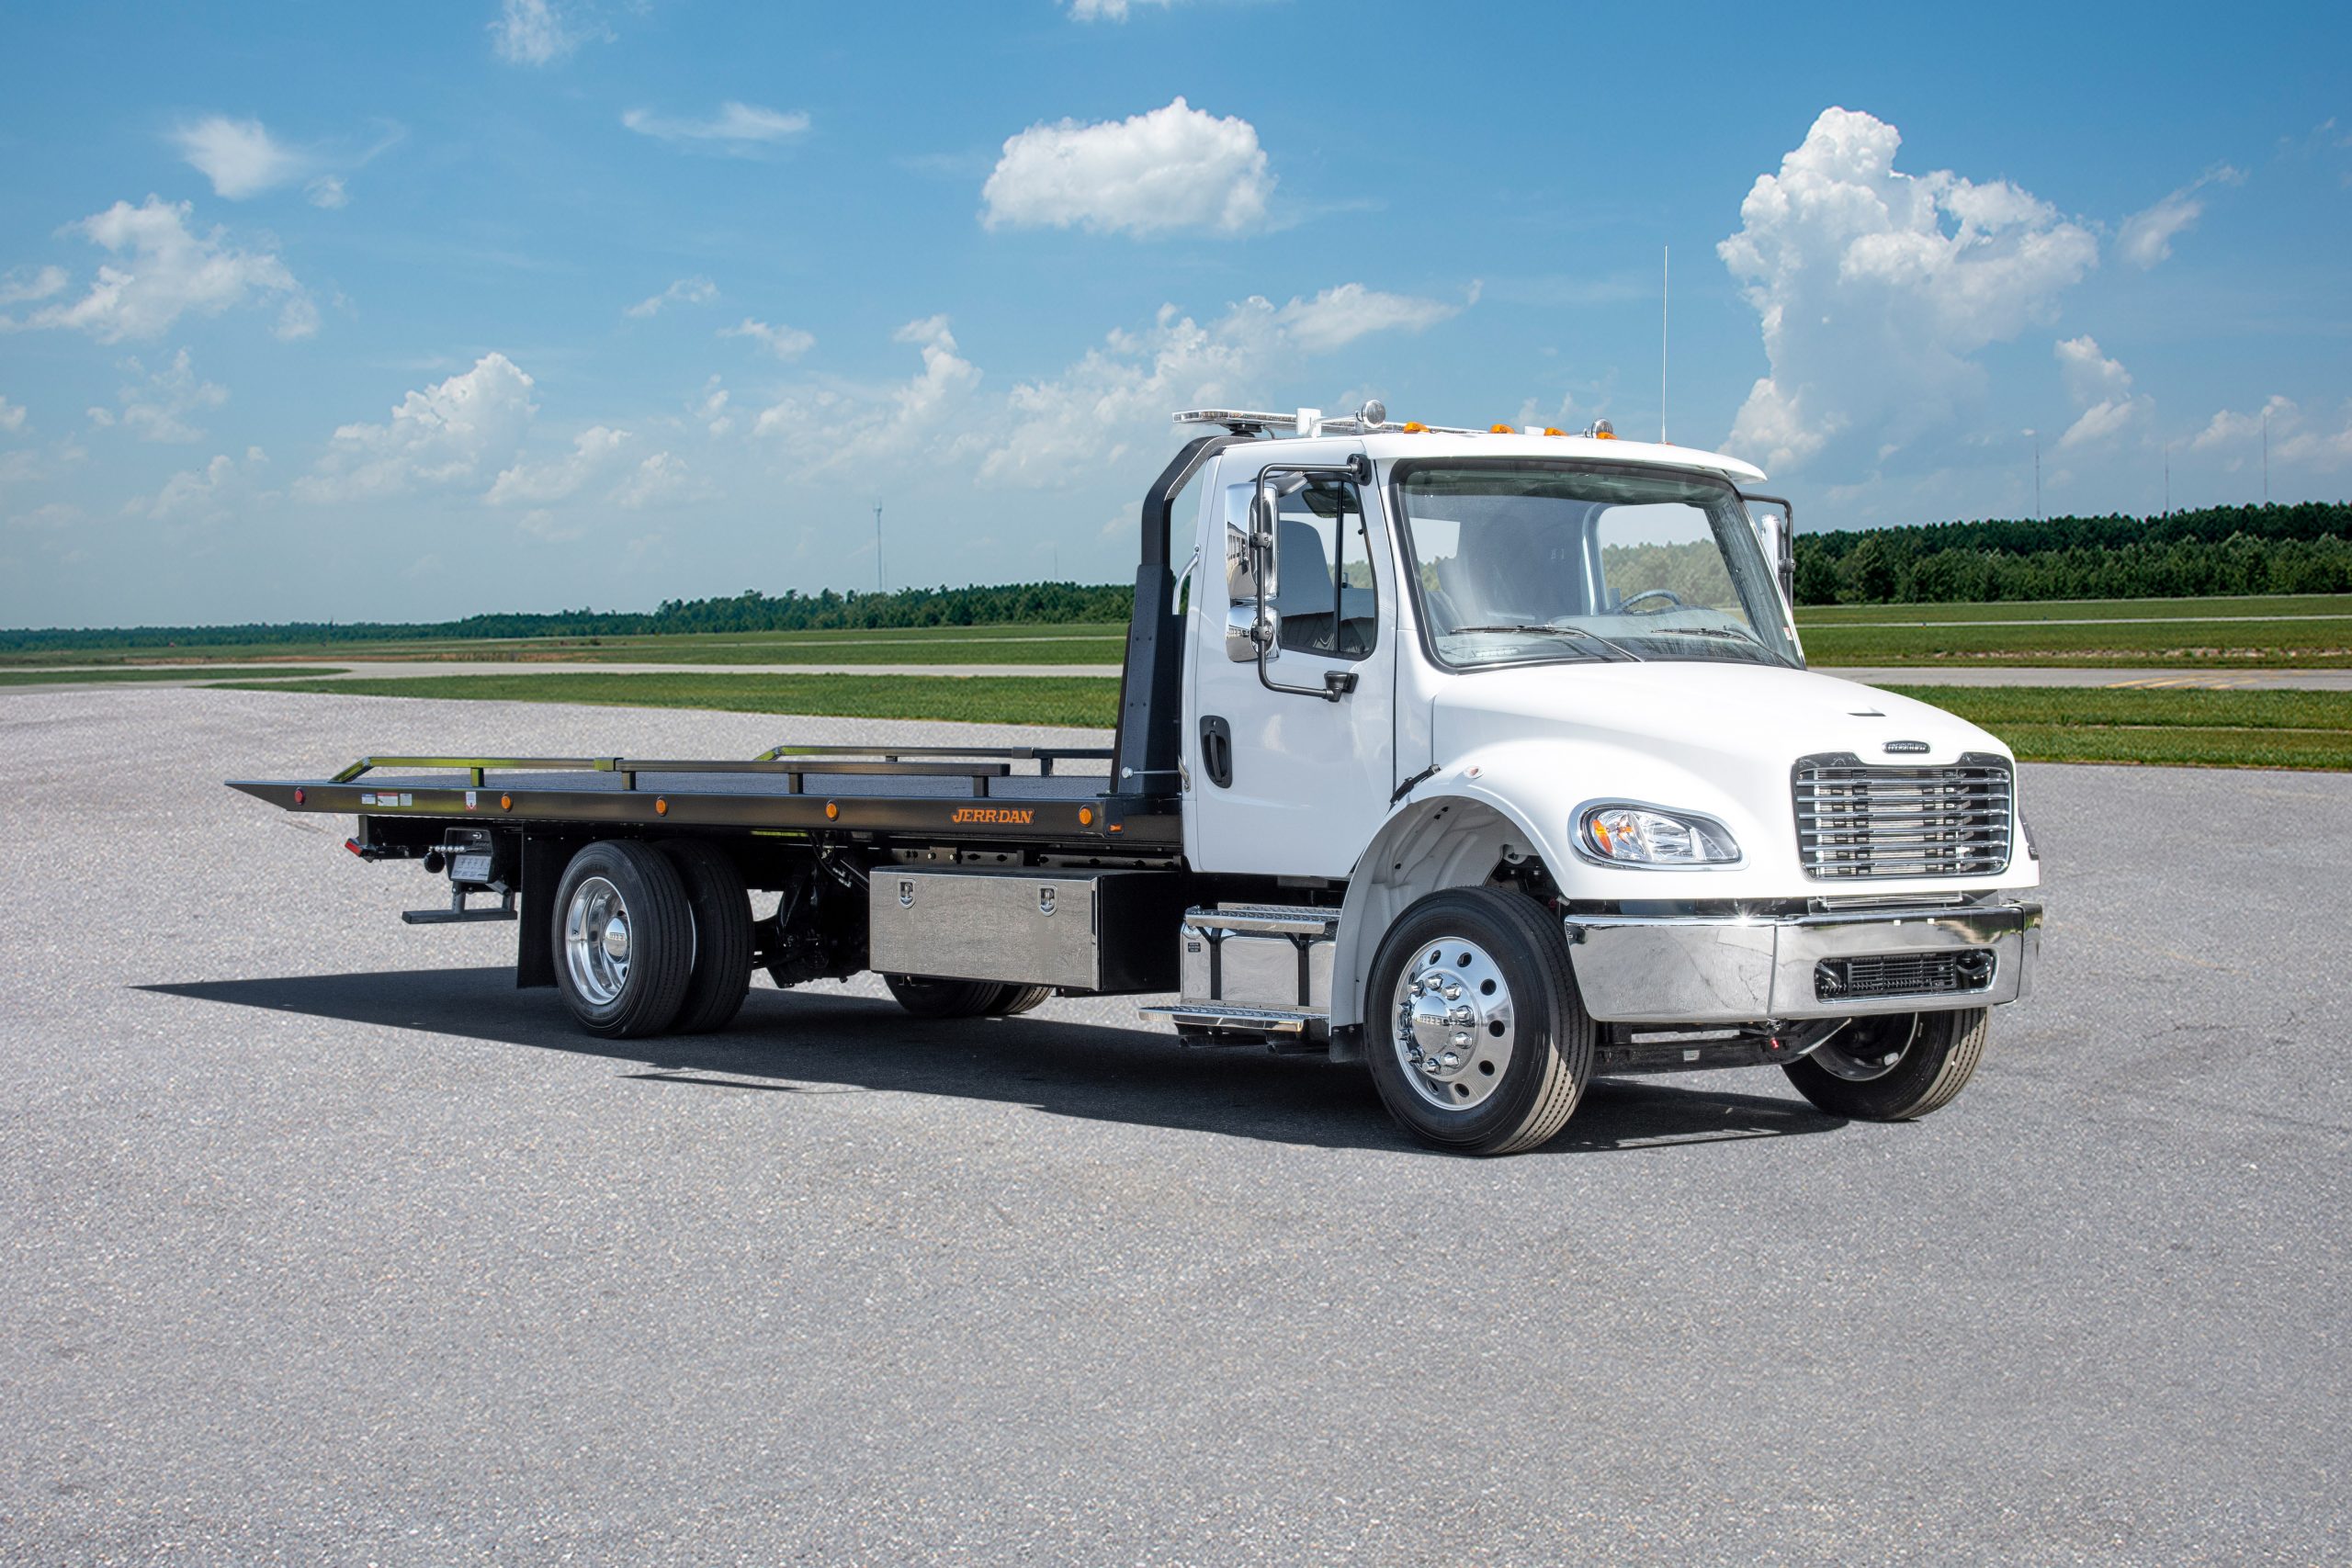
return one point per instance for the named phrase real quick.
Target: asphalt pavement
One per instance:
(319, 1242)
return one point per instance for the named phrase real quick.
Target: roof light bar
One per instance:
(1372, 419)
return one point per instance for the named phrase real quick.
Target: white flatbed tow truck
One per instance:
(1487, 757)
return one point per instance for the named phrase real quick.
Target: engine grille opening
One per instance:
(1858, 821)
(1903, 974)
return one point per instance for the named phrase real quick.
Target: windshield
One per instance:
(1520, 561)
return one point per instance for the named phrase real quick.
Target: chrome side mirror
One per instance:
(1251, 629)
(1240, 565)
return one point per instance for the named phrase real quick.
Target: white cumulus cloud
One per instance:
(695, 291)
(209, 494)
(447, 433)
(784, 342)
(1108, 10)
(161, 270)
(1117, 398)
(829, 426)
(20, 286)
(11, 416)
(1174, 168)
(240, 157)
(2295, 438)
(593, 450)
(159, 405)
(663, 479)
(2146, 237)
(1339, 316)
(1876, 288)
(537, 32)
(735, 128)
(2102, 389)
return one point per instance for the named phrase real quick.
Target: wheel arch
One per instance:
(1445, 840)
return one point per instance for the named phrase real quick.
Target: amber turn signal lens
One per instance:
(660, 809)
(1498, 430)
(832, 810)
(506, 803)
(1086, 817)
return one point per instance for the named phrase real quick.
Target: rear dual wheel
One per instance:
(651, 938)
(926, 996)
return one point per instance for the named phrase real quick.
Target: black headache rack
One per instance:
(943, 793)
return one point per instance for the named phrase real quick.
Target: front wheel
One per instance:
(1478, 1040)
(1895, 1066)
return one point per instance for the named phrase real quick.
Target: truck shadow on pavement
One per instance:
(795, 1043)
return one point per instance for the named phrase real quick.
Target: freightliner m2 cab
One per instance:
(1487, 759)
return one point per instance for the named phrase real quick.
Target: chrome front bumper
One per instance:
(1648, 969)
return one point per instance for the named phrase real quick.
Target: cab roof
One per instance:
(1384, 441)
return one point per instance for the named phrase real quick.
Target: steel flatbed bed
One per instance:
(947, 793)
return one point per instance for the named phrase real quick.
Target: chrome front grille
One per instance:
(1855, 821)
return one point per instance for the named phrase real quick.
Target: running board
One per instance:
(1262, 1021)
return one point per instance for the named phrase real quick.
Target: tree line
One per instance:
(2303, 548)
(751, 611)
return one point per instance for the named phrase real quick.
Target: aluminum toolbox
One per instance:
(1079, 930)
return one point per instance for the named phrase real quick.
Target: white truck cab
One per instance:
(1427, 660)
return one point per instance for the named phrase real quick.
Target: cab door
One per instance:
(1285, 782)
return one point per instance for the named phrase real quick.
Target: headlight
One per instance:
(1642, 835)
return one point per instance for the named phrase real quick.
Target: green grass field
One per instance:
(1083, 701)
(79, 677)
(2179, 728)
(2294, 631)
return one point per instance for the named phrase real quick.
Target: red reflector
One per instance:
(301, 795)
(353, 845)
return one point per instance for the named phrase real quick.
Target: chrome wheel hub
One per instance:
(596, 940)
(1454, 1024)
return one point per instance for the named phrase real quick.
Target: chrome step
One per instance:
(1262, 1021)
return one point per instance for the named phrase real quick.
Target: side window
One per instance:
(1323, 581)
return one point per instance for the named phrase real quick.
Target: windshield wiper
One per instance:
(1738, 634)
(1542, 629)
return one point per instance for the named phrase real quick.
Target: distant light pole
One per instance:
(2266, 454)
(2167, 479)
(878, 548)
(1665, 290)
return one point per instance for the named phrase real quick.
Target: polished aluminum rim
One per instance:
(1868, 1048)
(596, 940)
(1455, 1026)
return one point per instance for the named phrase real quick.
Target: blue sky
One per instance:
(351, 312)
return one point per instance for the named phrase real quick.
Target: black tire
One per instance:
(644, 992)
(1019, 1000)
(927, 997)
(722, 906)
(1521, 1100)
(1920, 1061)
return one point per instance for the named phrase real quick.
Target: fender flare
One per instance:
(1450, 840)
